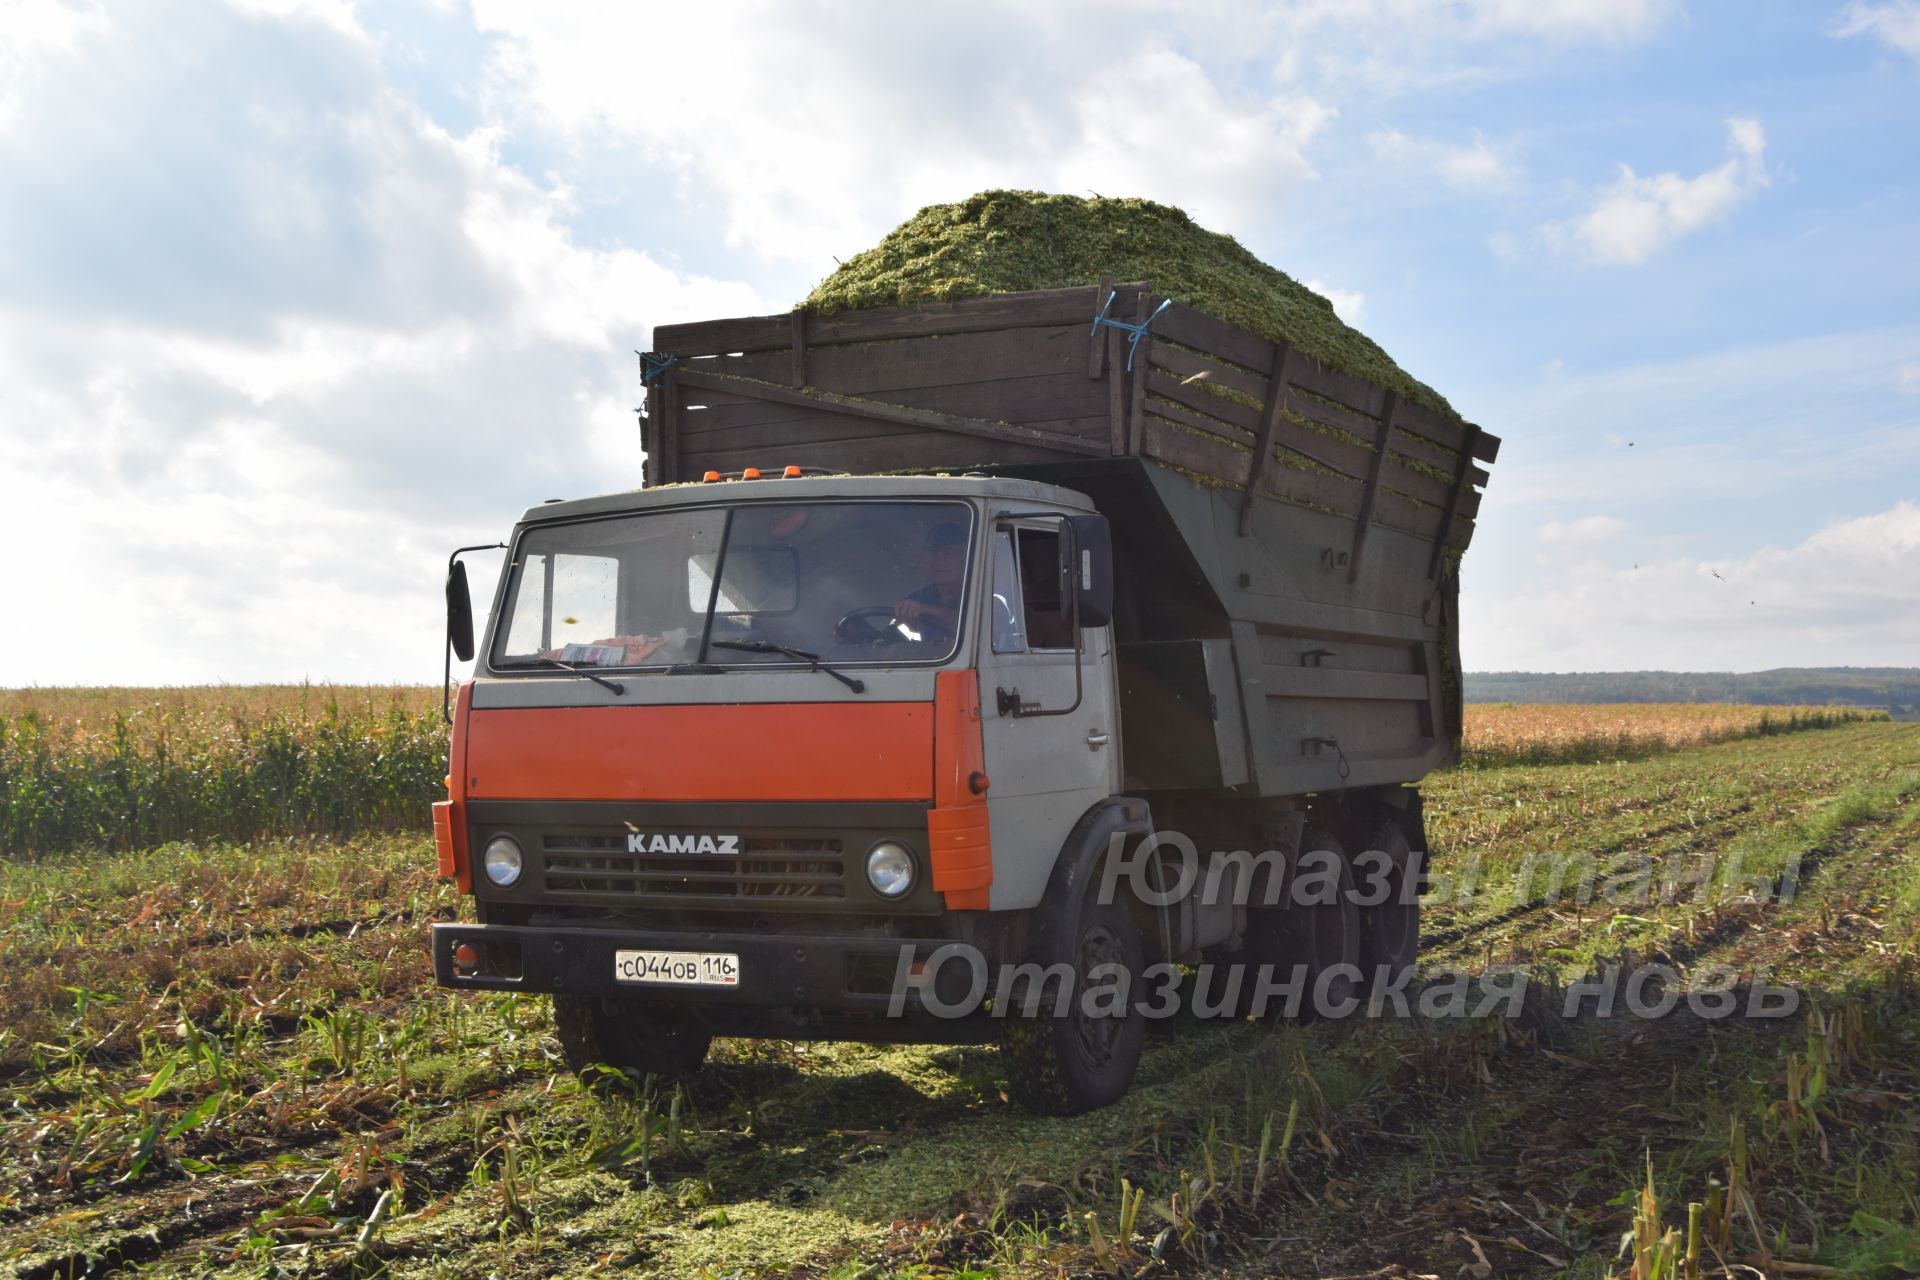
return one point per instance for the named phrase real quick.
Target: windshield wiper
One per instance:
(811, 659)
(602, 681)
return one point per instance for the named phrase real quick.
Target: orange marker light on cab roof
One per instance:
(791, 473)
(751, 473)
(710, 477)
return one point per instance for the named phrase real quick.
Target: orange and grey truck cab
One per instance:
(731, 744)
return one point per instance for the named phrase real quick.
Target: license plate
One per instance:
(678, 968)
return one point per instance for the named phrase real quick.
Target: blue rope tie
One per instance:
(1134, 332)
(653, 364)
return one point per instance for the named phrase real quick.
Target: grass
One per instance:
(1009, 241)
(223, 1058)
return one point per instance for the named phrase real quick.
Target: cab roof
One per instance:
(776, 488)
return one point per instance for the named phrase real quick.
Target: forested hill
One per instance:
(1895, 688)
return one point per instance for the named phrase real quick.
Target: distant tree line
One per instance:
(1897, 689)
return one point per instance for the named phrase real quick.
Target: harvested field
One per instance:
(228, 1059)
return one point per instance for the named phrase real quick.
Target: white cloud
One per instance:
(1637, 217)
(1349, 304)
(925, 105)
(311, 342)
(1910, 378)
(1584, 529)
(1842, 596)
(1564, 19)
(1896, 25)
(1478, 167)
(1193, 148)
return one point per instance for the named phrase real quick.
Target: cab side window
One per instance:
(1026, 592)
(1009, 614)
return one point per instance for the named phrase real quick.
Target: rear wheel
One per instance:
(1084, 1058)
(1387, 873)
(1314, 932)
(629, 1036)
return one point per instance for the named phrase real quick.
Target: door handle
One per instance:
(1096, 740)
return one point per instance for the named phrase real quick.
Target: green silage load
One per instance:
(1011, 241)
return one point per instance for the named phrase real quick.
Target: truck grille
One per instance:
(768, 867)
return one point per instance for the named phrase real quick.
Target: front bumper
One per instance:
(780, 975)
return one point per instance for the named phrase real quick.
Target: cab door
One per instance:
(1052, 742)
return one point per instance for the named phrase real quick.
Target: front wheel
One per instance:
(629, 1036)
(1085, 1057)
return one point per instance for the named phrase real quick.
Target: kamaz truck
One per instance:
(953, 641)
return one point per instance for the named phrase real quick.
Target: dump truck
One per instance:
(1048, 634)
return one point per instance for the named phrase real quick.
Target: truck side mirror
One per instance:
(459, 613)
(1090, 575)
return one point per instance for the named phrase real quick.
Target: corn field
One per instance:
(120, 769)
(112, 769)
(1508, 733)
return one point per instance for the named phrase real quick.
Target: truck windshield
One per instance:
(840, 581)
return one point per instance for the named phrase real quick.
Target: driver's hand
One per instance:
(909, 610)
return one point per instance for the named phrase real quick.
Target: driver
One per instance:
(936, 606)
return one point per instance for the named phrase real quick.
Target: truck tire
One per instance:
(628, 1035)
(1062, 1066)
(1384, 860)
(1313, 938)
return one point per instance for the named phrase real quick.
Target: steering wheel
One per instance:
(863, 627)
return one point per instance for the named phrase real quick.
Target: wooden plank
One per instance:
(669, 424)
(1419, 420)
(1167, 387)
(816, 424)
(1216, 459)
(1195, 367)
(967, 315)
(1310, 404)
(1370, 498)
(952, 359)
(1356, 462)
(768, 366)
(1137, 375)
(910, 450)
(1322, 379)
(650, 437)
(926, 418)
(1000, 311)
(1273, 402)
(718, 337)
(799, 345)
(1453, 506)
(1175, 412)
(1190, 328)
(1335, 493)
(1367, 397)
(1206, 455)
(1013, 400)
(1096, 340)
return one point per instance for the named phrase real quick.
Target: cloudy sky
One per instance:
(294, 297)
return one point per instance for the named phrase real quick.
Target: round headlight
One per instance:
(502, 860)
(889, 869)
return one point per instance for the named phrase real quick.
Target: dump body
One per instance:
(1284, 533)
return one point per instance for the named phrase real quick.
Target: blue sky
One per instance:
(296, 296)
